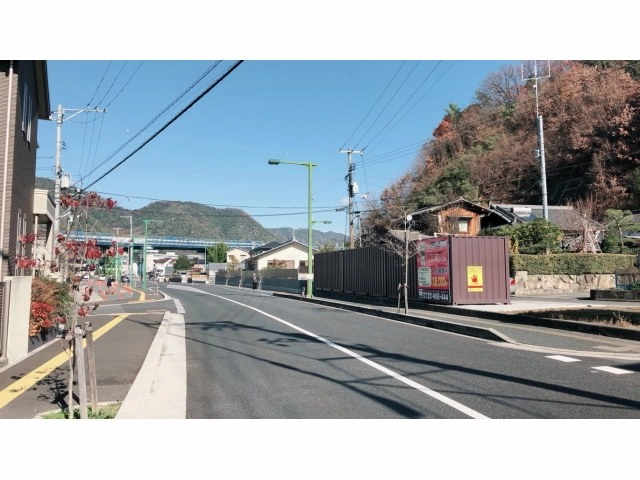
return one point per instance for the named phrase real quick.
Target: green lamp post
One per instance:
(144, 253)
(309, 166)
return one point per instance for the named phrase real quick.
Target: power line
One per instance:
(374, 104)
(112, 83)
(191, 104)
(407, 101)
(387, 104)
(99, 84)
(125, 85)
(162, 112)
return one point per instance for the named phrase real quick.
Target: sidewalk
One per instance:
(124, 328)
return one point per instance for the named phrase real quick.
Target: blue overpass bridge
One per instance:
(163, 243)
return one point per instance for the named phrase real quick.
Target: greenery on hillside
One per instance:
(189, 219)
(487, 151)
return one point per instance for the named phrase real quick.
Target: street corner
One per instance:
(115, 292)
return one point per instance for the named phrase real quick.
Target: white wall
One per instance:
(19, 311)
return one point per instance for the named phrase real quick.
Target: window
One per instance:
(27, 113)
(21, 248)
(463, 224)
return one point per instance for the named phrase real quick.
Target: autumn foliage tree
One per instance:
(485, 152)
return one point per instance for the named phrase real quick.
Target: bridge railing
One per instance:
(104, 239)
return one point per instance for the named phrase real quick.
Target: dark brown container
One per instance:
(485, 260)
(463, 270)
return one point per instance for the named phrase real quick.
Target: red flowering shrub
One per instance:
(50, 304)
(40, 317)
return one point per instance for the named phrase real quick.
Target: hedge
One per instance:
(570, 263)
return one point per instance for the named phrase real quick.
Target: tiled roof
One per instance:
(460, 201)
(412, 235)
(565, 217)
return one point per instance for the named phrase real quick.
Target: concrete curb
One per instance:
(487, 333)
(159, 389)
(133, 404)
(479, 332)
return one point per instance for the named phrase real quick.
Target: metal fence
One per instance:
(368, 271)
(627, 281)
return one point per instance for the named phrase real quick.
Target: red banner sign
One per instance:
(433, 270)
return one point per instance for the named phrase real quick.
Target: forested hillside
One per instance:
(487, 152)
(189, 219)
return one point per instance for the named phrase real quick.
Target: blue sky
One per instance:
(216, 153)
(312, 83)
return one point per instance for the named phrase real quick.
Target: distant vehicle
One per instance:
(124, 279)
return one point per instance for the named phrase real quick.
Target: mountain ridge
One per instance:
(190, 219)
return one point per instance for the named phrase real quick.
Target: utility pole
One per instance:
(352, 189)
(58, 181)
(130, 272)
(539, 153)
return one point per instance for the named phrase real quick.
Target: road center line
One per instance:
(427, 391)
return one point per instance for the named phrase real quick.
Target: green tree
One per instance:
(326, 247)
(618, 222)
(217, 253)
(182, 263)
(454, 182)
(535, 237)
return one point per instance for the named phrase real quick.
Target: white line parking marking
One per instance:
(562, 358)
(617, 371)
(432, 393)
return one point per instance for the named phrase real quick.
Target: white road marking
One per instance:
(617, 371)
(562, 358)
(179, 306)
(427, 391)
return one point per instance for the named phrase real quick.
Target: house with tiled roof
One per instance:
(580, 232)
(458, 217)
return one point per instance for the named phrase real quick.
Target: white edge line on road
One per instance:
(427, 391)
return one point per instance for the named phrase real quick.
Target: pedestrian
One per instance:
(255, 281)
(109, 283)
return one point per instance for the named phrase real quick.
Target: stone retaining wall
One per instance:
(527, 284)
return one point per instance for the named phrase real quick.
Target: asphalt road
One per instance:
(214, 353)
(222, 352)
(251, 355)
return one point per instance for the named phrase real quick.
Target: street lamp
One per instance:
(144, 253)
(309, 166)
(117, 229)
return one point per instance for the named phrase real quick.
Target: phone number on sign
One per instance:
(436, 295)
